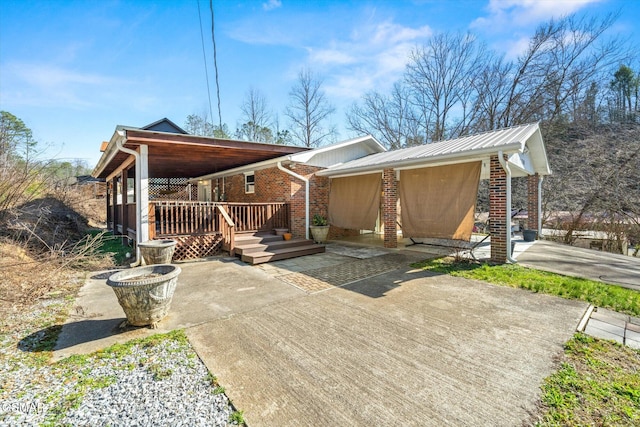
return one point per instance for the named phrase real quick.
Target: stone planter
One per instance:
(145, 293)
(157, 251)
(319, 233)
(529, 235)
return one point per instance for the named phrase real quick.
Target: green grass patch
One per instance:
(112, 245)
(597, 293)
(598, 384)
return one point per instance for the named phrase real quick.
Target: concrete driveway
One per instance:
(401, 348)
(619, 270)
(362, 340)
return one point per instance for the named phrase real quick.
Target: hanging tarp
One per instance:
(354, 201)
(439, 202)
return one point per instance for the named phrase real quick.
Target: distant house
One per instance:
(202, 191)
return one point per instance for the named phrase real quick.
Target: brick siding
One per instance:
(498, 211)
(390, 208)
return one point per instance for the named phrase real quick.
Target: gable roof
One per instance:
(522, 143)
(323, 157)
(164, 125)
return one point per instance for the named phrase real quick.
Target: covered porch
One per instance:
(149, 195)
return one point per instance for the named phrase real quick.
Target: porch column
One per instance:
(498, 211)
(532, 202)
(114, 204)
(390, 208)
(124, 213)
(143, 189)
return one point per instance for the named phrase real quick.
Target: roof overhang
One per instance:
(526, 153)
(177, 155)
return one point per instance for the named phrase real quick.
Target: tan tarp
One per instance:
(439, 201)
(354, 201)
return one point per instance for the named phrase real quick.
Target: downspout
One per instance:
(306, 196)
(540, 206)
(136, 155)
(506, 168)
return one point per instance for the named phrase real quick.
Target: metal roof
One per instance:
(524, 139)
(338, 153)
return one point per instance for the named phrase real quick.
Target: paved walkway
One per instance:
(611, 325)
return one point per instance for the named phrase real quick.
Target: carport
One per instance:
(436, 186)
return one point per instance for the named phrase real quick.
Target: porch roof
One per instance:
(523, 144)
(174, 155)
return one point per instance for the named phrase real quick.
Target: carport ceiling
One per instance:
(175, 155)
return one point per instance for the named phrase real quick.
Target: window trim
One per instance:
(249, 187)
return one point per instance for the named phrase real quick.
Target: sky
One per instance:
(74, 70)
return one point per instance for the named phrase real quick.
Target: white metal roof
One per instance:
(523, 143)
(324, 157)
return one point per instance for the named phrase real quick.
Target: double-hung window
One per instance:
(249, 182)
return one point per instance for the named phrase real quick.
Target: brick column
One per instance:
(532, 202)
(390, 208)
(498, 211)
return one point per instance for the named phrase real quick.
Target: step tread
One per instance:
(245, 248)
(282, 253)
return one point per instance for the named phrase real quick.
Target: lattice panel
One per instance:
(197, 246)
(172, 189)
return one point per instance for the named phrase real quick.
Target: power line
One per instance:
(215, 62)
(204, 55)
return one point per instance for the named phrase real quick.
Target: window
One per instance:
(131, 190)
(249, 182)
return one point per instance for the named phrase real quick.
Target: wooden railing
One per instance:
(174, 218)
(183, 218)
(258, 216)
(228, 230)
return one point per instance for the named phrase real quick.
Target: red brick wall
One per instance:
(532, 202)
(390, 208)
(274, 185)
(498, 211)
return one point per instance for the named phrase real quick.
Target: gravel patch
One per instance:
(158, 381)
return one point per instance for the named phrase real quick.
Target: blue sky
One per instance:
(73, 70)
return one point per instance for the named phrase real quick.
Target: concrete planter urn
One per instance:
(145, 293)
(319, 233)
(319, 229)
(157, 251)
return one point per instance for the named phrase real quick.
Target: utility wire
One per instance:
(215, 62)
(206, 70)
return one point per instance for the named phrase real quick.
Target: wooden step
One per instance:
(283, 253)
(248, 239)
(245, 248)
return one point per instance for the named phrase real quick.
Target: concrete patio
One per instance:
(353, 337)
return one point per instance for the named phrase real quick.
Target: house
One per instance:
(427, 191)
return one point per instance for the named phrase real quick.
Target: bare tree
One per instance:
(197, 124)
(309, 110)
(256, 118)
(390, 119)
(440, 75)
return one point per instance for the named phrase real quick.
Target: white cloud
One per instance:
(504, 14)
(50, 85)
(372, 58)
(271, 4)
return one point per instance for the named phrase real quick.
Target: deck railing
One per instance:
(175, 218)
(258, 216)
